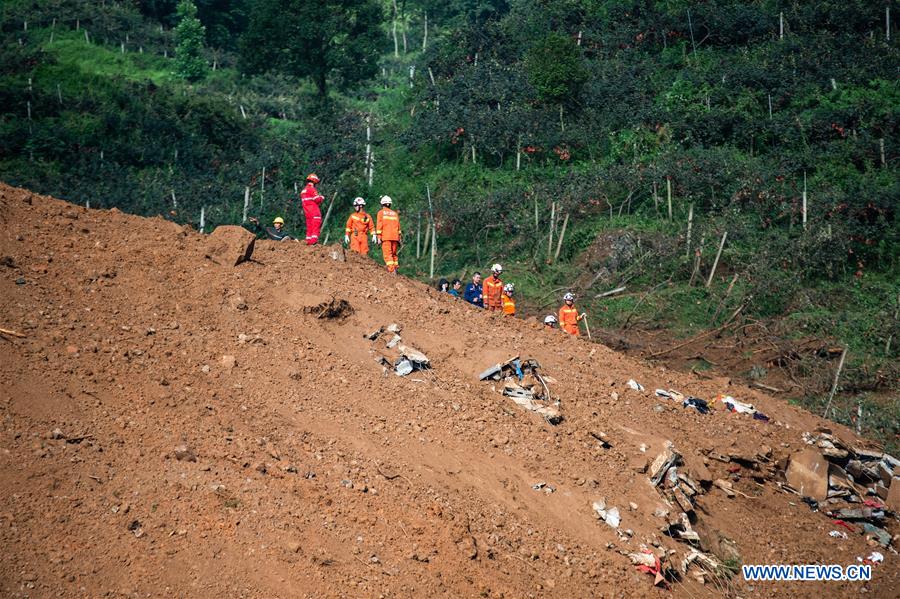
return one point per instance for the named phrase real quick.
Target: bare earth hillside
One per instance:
(174, 427)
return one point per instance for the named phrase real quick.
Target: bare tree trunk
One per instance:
(425, 33)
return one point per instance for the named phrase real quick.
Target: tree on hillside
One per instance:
(189, 34)
(337, 40)
(555, 68)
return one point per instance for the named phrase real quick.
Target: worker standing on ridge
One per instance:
(359, 226)
(569, 316)
(493, 290)
(509, 304)
(276, 232)
(387, 234)
(310, 198)
(472, 294)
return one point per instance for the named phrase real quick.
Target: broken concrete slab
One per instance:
(892, 502)
(665, 460)
(808, 474)
(229, 245)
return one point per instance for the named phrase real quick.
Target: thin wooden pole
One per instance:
(202, 218)
(781, 25)
(425, 36)
(328, 212)
(725, 297)
(689, 226)
(433, 249)
(881, 147)
(536, 225)
(669, 195)
(803, 208)
(419, 235)
(770, 107)
(656, 197)
(837, 376)
(246, 203)
(368, 164)
(427, 239)
(697, 254)
(712, 273)
(887, 23)
(562, 236)
(552, 224)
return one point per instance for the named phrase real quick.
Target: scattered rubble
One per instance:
(402, 359)
(525, 385)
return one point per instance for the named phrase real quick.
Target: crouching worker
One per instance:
(276, 232)
(509, 304)
(550, 321)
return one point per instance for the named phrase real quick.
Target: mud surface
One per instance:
(174, 427)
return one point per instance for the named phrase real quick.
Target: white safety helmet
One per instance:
(496, 269)
(549, 319)
(508, 288)
(359, 202)
(569, 296)
(386, 200)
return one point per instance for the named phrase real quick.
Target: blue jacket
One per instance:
(473, 295)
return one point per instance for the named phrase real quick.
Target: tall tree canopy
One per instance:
(336, 40)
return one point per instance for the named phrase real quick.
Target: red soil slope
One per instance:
(317, 472)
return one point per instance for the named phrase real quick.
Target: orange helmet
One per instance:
(314, 178)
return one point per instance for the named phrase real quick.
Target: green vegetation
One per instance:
(189, 36)
(605, 108)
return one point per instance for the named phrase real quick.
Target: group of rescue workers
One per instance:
(491, 293)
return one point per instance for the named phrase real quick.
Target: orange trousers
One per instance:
(389, 250)
(359, 243)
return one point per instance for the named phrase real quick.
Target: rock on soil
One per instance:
(229, 245)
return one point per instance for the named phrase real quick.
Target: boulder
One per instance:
(229, 245)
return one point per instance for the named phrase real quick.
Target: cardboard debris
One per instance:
(808, 473)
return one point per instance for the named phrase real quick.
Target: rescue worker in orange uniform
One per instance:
(387, 234)
(509, 304)
(310, 199)
(569, 316)
(359, 226)
(492, 290)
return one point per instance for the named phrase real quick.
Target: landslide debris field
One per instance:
(170, 426)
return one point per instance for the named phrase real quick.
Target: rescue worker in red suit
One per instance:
(310, 198)
(387, 234)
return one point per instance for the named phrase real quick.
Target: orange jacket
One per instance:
(388, 225)
(492, 290)
(568, 319)
(359, 223)
(509, 305)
